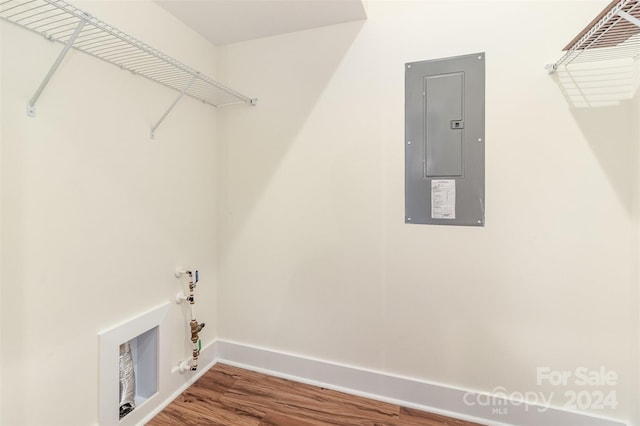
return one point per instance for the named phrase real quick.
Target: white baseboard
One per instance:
(402, 391)
(406, 392)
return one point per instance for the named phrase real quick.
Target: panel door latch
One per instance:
(457, 124)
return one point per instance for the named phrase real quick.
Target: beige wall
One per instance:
(1, 286)
(316, 260)
(636, 300)
(95, 214)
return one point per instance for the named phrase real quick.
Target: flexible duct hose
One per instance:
(127, 381)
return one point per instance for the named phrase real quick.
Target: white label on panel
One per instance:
(443, 199)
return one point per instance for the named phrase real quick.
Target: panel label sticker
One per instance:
(443, 199)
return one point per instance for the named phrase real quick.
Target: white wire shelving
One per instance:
(59, 21)
(613, 34)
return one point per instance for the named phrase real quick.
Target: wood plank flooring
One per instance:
(229, 396)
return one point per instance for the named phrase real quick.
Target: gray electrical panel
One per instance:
(444, 141)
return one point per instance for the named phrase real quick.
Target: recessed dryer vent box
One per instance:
(444, 141)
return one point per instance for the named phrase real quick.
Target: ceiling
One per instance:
(230, 21)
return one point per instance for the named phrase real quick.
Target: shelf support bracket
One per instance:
(635, 21)
(187, 87)
(31, 107)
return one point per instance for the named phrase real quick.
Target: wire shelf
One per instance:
(61, 22)
(613, 34)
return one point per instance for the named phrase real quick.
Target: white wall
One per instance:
(316, 259)
(1, 291)
(636, 354)
(95, 214)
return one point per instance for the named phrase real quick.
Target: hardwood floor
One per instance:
(230, 396)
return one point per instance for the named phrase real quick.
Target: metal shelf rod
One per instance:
(635, 21)
(153, 129)
(613, 34)
(59, 21)
(31, 108)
